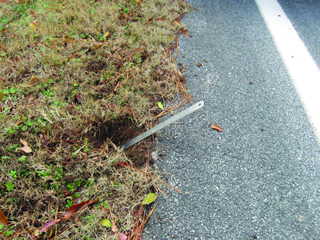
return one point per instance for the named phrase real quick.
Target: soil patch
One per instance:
(119, 132)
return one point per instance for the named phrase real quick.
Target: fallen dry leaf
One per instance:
(199, 64)
(33, 78)
(185, 32)
(216, 127)
(114, 227)
(49, 224)
(77, 207)
(3, 219)
(73, 56)
(177, 22)
(25, 147)
(122, 236)
(30, 98)
(77, 99)
(122, 164)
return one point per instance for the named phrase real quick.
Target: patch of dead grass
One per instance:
(78, 78)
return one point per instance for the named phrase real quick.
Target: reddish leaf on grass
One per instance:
(121, 236)
(78, 99)
(77, 207)
(33, 78)
(122, 164)
(72, 56)
(32, 13)
(125, 16)
(157, 19)
(25, 147)
(49, 224)
(3, 219)
(97, 47)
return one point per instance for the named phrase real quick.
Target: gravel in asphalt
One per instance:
(259, 177)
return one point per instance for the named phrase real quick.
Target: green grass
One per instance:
(77, 79)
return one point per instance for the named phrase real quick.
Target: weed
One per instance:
(58, 174)
(71, 187)
(10, 186)
(23, 158)
(13, 175)
(69, 203)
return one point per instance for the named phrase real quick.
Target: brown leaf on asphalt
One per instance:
(3, 219)
(216, 127)
(25, 147)
(185, 32)
(77, 207)
(199, 64)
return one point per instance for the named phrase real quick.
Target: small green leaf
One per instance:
(24, 128)
(160, 105)
(106, 222)
(23, 158)
(10, 186)
(150, 198)
(12, 90)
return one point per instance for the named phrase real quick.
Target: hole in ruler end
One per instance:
(200, 104)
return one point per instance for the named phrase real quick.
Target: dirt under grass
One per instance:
(79, 78)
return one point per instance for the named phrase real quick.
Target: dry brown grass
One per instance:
(78, 78)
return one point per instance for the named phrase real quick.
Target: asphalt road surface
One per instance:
(260, 177)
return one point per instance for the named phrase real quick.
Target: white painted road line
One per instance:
(297, 59)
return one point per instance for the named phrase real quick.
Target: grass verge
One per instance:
(78, 78)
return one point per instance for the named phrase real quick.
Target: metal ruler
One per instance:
(163, 124)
